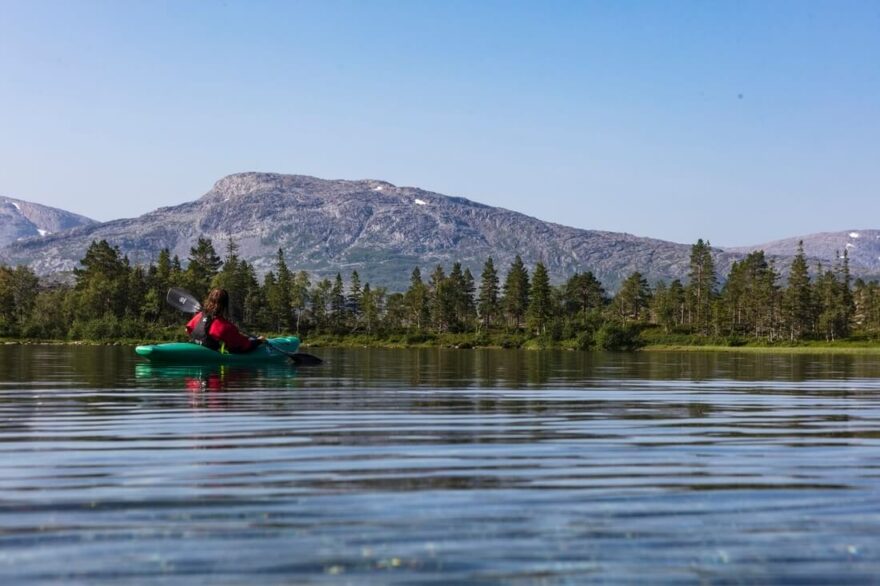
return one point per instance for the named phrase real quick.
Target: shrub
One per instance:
(616, 337)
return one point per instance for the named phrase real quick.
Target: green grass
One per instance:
(800, 348)
(654, 340)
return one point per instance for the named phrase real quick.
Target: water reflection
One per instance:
(440, 466)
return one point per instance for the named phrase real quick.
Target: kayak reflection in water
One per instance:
(211, 327)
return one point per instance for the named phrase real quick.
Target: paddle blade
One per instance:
(183, 300)
(303, 359)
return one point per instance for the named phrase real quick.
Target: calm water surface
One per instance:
(432, 466)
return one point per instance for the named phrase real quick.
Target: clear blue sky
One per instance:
(739, 122)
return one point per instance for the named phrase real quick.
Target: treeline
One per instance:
(113, 299)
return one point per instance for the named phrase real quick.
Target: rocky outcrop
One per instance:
(23, 219)
(374, 227)
(862, 248)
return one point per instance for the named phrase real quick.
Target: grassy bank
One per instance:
(802, 348)
(648, 339)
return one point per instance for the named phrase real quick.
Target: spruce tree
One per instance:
(355, 296)
(487, 302)
(467, 310)
(204, 264)
(582, 293)
(701, 288)
(337, 305)
(540, 308)
(516, 292)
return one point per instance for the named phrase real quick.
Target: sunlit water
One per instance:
(442, 467)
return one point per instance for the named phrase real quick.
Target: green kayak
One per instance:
(189, 353)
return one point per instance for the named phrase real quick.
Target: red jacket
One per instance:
(226, 333)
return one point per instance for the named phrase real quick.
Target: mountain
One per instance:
(23, 219)
(374, 227)
(862, 246)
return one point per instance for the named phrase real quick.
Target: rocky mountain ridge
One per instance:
(23, 219)
(379, 229)
(862, 248)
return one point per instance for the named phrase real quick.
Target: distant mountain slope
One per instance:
(381, 230)
(23, 219)
(862, 246)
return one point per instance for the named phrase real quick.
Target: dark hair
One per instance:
(217, 303)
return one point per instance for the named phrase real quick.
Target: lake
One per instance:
(440, 466)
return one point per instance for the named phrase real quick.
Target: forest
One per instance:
(109, 299)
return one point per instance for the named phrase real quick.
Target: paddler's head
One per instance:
(217, 303)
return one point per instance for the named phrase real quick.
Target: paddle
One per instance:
(183, 300)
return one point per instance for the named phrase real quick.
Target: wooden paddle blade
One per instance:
(183, 300)
(303, 359)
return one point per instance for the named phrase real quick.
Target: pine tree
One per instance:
(487, 302)
(516, 292)
(204, 264)
(234, 276)
(663, 310)
(540, 308)
(442, 300)
(798, 298)
(319, 297)
(701, 288)
(102, 282)
(830, 313)
(633, 299)
(581, 294)
(368, 308)
(456, 292)
(846, 297)
(299, 297)
(416, 301)
(281, 300)
(355, 298)
(467, 310)
(337, 305)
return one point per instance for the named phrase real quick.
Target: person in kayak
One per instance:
(211, 327)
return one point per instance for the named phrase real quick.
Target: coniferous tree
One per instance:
(830, 318)
(487, 302)
(540, 308)
(320, 299)
(633, 298)
(279, 298)
(582, 294)
(102, 282)
(355, 297)
(416, 301)
(299, 297)
(19, 290)
(701, 288)
(442, 300)
(846, 298)
(467, 310)
(798, 302)
(337, 305)
(456, 298)
(663, 309)
(204, 264)
(369, 311)
(516, 292)
(235, 276)
(866, 306)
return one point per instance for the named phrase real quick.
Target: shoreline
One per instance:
(855, 347)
